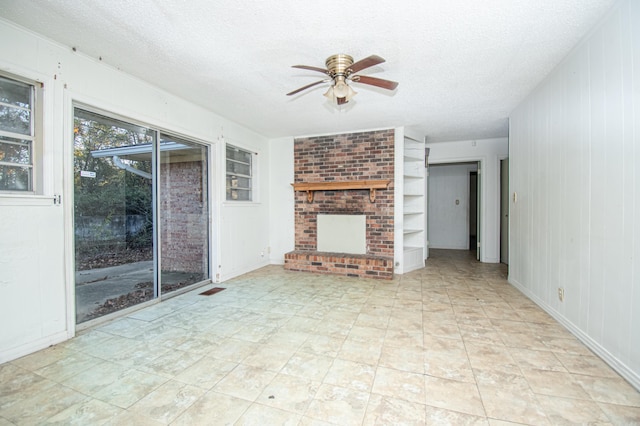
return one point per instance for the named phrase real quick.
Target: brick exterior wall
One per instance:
(183, 218)
(346, 157)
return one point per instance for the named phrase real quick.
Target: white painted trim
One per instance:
(620, 367)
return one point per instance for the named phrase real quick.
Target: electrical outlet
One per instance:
(561, 294)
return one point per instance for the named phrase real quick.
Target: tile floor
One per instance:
(453, 343)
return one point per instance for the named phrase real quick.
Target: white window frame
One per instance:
(229, 188)
(35, 137)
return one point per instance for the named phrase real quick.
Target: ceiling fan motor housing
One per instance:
(338, 64)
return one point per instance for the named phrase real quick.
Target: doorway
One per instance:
(504, 211)
(452, 209)
(473, 212)
(141, 214)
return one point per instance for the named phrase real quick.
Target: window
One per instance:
(17, 135)
(239, 174)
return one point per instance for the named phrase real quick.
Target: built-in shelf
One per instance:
(371, 185)
(411, 231)
(413, 209)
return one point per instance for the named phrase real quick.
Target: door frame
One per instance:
(481, 160)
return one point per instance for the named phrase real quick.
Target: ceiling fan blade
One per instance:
(310, 68)
(366, 63)
(373, 81)
(305, 87)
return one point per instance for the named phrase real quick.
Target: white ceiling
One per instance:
(462, 65)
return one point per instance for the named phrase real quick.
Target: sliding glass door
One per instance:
(127, 250)
(184, 213)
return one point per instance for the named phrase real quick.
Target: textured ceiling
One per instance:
(462, 65)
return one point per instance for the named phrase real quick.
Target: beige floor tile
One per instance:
(485, 356)
(404, 339)
(245, 382)
(231, 349)
(323, 345)
(565, 411)
(376, 320)
(512, 403)
(540, 360)
(130, 418)
(399, 384)
(270, 357)
(441, 416)
(370, 335)
(68, 366)
(383, 411)
(16, 382)
(260, 415)
(168, 401)
(610, 390)
(585, 365)
(88, 412)
(93, 379)
(35, 408)
(440, 327)
(205, 372)
(453, 395)
(310, 366)
(338, 405)
(213, 409)
(364, 345)
(406, 359)
(289, 393)
(361, 352)
(351, 375)
(554, 383)
(170, 363)
(45, 357)
(129, 388)
(621, 414)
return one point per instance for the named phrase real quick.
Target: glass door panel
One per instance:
(183, 212)
(113, 214)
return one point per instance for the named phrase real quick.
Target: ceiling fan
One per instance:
(340, 69)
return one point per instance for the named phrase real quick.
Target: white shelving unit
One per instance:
(413, 206)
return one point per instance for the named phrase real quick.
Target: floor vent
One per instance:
(212, 291)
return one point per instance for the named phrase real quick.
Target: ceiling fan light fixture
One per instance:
(341, 88)
(341, 68)
(340, 92)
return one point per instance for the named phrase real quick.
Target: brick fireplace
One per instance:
(364, 156)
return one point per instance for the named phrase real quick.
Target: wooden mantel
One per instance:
(371, 185)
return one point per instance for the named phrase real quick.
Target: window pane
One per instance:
(15, 151)
(15, 111)
(238, 154)
(15, 93)
(238, 168)
(15, 178)
(15, 120)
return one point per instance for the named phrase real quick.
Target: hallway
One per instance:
(452, 343)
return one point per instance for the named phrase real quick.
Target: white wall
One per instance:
(575, 166)
(448, 205)
(36, 257)
(281, 213)
(488, 152)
